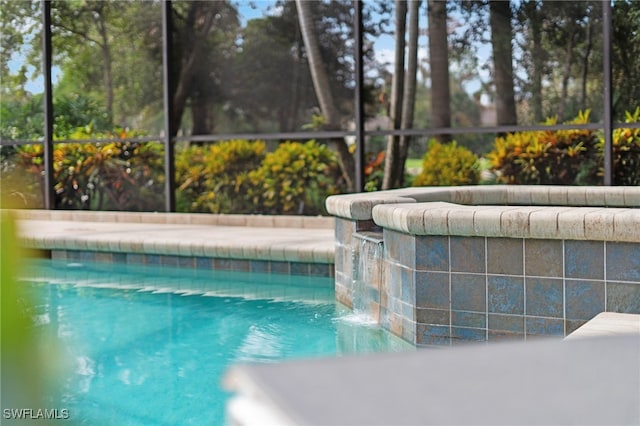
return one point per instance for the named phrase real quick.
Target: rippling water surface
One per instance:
(149, 346)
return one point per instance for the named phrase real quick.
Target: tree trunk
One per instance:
(534, 17)
(439, 61)
(500, 20)
(409, 97)
(184, 82)
(390, 178)
(323, 90)
(99, 19)
(566, 75)
(585, 63)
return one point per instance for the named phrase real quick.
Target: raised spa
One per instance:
(441, 265)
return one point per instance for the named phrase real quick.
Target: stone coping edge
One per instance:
(360, 206)
(540, 222)
(270, 252)
(262, 221)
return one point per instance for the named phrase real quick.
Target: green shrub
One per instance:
(626, 152)
(547, 157)
(448, 164)
(215, 178)
(101, 176)
(295, 179)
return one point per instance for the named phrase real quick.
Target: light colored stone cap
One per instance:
(360, 206)
(608, 324)
(262, 221)
(575, 223)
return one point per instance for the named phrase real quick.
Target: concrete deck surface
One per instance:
(578, 382)
(257, 237)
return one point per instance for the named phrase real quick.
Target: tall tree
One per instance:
(439, 64)
(395, 111)
(89, 23)
(409, 96)
(532, 19)
(323, 89)
(501, 36)
(206, 33)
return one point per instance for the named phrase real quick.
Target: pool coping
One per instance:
(279, 244)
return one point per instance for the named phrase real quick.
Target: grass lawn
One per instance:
(413, 163)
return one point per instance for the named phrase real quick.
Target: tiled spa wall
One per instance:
(531, 272)
(440, 290)
(450, 288)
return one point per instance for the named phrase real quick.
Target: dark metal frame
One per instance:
(607, 126)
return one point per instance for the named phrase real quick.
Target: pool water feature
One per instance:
(492, 262)
(149, 346)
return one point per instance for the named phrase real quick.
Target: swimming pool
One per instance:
(148, 346)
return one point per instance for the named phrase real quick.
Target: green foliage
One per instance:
(448, 164)
(295, 179)
(626, 152)
(562, 157)
(215, 178)
(75, 111)
(101, 176)
(33, 365)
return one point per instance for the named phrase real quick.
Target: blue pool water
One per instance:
(149, 346)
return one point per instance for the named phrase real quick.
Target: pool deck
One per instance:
(590, 377)
(241, 237)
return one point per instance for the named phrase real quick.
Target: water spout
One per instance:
(368, 264)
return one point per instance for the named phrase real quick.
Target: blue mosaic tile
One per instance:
(400, 247)
(432, 253)
(261, 266)
(87, 256)
(432, 335)
(231, 265)
(584, 299)
(504, 336)
(59, 254)
(283, 268)
(623, 262)
(504, 256)
(584, 259)
(623, 297)
(409, 331)
(73, 255)
(299, 268)
(468, 334)
(119, 257)
(204, 263)
(408, 286)
(320, 269)
(543, 258)
(104, 257)
(135, 258)
(510, 323)
(152, 259)
(544, 297)
(398, 277)
(433, 316)
(505, 294)
(344, 230)
(468, 254)
(544, 326)
(468, 292)
(169, 260)
(468, 319)
(432, 290)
